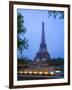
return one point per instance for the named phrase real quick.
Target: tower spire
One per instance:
(43, 34)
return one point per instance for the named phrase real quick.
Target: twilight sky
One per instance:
(54, 33)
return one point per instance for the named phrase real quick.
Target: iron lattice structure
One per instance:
(42, 54)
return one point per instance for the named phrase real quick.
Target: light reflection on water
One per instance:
(58, 75)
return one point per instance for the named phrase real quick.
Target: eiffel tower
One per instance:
(42, 54)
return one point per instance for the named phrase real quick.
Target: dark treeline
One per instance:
(52, 62)
(24, 61)
(56, 61)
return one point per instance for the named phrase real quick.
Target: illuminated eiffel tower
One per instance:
(42, 54)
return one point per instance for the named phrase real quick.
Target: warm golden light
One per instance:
(21, 72)
(30, 72)
(35, 72)
(46, 73)
(40, 72)
(25, 72)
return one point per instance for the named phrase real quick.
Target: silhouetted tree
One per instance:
(55, 13)
(22, 42)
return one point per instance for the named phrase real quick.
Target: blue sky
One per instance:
(54, 33)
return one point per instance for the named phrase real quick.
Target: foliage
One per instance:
(53, 13)
(22, 42)
(56, 62)
(24, 61)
